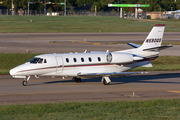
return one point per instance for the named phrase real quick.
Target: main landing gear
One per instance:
(77, 80)
(24, 83)
(106, 80)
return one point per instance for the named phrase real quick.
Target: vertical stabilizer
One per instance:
(154, 39)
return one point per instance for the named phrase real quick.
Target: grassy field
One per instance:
(8, 61)
(51, 24)
(163, 63)
(125, 110)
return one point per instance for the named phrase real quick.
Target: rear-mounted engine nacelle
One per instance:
(119, 58)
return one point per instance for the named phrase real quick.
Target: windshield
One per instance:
(35, 60)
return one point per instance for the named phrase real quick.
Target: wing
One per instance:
(134, 45)
(109, 74)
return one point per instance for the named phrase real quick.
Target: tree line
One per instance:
(102, 5)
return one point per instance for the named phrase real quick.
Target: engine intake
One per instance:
(119, 58)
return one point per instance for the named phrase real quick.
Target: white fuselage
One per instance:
(70, 64)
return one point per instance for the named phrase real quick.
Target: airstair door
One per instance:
(59, 64)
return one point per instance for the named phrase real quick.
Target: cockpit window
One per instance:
(36, 60)
(40, 60)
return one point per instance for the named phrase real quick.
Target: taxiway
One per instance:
(154, 85)
(78, 42)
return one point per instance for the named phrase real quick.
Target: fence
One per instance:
(21, 12)
(41, 12)
(142, 15)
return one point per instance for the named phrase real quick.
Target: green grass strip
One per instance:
(11, 60)
(151, 109)
(56, 24)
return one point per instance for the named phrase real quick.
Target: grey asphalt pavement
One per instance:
(154, 85)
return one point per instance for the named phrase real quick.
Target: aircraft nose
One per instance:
(12, 72)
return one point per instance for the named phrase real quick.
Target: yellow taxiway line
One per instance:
(174, 91)
(80, 41)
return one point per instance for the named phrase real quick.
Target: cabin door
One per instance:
(59, 64)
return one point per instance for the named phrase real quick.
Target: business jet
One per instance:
(91, 64)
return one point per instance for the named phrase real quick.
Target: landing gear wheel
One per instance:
(105, 82)
(77, 80)
(24, 83)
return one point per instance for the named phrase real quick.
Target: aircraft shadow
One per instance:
(158, 78)
(128, 79)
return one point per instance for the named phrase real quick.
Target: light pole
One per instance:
(64, 7)
(160, 13)
(12, 8)
(44, 7)
(118, 7)
(28, 8)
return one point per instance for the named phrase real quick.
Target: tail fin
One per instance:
(154, 39)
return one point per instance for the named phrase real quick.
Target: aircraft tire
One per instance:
(105, 82)
(24, 83)
(77, 80)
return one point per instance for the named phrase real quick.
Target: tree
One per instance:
(82, 2)
(8, 3)
(104, 4)
(168, 4)
(155, 5)
(22, 4)
(71, 11)
(98, 7)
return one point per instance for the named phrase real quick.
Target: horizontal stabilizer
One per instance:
(134, 45)
(110, 74)
(158, 48)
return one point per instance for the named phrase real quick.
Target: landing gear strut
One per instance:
(77, 80)
(24, 83)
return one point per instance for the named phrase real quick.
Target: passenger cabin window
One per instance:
(82, 59)
(90, 59)
(45, 61)
(75, 60)
(67, 60)
(99, 59)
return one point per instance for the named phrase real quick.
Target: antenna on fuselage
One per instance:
(107, 50)
(85, 51)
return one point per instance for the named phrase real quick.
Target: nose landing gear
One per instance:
(24, 83)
